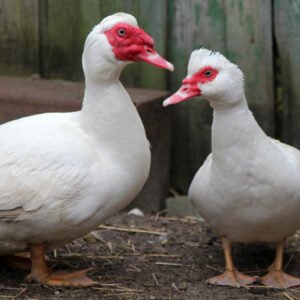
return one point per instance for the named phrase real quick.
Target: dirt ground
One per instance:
(154, 257)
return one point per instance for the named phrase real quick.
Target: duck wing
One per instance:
(44, 161)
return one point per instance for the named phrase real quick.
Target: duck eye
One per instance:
(208, 73)
(121, 32)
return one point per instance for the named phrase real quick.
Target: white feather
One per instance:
(248, 187)
(62, 174)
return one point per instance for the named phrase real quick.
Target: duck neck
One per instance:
(109, 116)
(234, 130)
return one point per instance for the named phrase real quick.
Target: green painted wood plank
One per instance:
(19, 42)
(127, 6)
(131, 75)
(192, 24)
(153, 19)
(249, 44)
(68, 23)
(287, 28)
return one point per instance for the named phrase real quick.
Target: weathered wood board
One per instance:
(19, 37)
(249, 44)
(156, 25)
(67, 24)
(287, 28)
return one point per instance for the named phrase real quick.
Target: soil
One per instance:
(168, 258)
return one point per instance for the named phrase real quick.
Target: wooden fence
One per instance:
(261, 36)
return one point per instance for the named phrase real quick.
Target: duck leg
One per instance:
(231, 277)
(276, 278)
(41, 273)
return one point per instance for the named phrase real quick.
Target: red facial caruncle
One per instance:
(190, 86)
(130, 43)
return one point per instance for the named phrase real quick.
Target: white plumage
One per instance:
(248, 187)
(62, 174)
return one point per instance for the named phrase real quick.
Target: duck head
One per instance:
(114, 43)
(212, 76)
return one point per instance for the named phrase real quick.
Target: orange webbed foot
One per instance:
(63, 278)
(232, 278)
(42, 274)
(279, 280)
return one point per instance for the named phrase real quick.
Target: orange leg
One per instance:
(41, 273)
(276, 278)
(231, 277)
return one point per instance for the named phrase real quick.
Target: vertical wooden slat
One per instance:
(192, 24)
(287, 28)
(19, 42)
(153, 19)
(126, 6)
(249, 44)
(68, 23)
(43, 39)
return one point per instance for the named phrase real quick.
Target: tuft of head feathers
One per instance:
(120, 17)
(204, 57)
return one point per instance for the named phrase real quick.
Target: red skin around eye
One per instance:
(134, 41)
(130, 43)
(201, 76)
(190, 88)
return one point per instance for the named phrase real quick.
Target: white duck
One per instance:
(248, 187)
(62, 174)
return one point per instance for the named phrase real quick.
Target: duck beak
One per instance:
(186, 92)
(150, 56)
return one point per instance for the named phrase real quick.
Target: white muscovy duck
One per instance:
(62, 174)
(248, 187)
